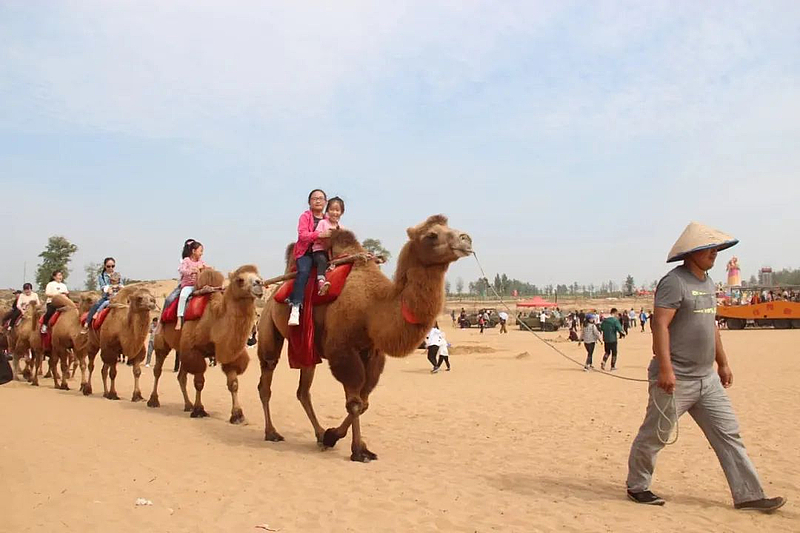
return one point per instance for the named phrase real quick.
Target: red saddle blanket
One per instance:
(303, 352)
(194, 309)
(98, 319)
(336, 277)
(47, 343)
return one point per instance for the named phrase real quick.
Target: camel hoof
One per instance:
(87, 390)
(63, 386)
(237, 417)
(363, 456)
(273, 436)
(199, 412)
(187, 408)
(153, 401)
(34, 383)
(137, 397)
(112, 396)
(48, 375)
(330, 438)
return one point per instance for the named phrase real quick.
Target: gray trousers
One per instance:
(709, 405)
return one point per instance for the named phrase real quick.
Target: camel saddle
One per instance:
(98, 319)
(303, 352)
(336, 277)
(47, 343)
(8, 324)
(195, 308)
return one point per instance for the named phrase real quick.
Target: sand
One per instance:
(515, 438)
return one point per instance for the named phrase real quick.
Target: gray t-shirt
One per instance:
(692, 335)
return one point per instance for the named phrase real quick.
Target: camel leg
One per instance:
(270, 344)
(104, 374)
(37, 368)
(137, 372)
(160, 357)
(87, 388)
(63, 358)
(304, 396)
(112, 374)
(81, 360)
(199, 383)
(52, 362)
(265, 393)
(15, 366)
(232, 371)
(182, 379)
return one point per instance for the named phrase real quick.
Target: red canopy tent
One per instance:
(536, 301)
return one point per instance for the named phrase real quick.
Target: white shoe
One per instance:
(44, 329)
(147, 365)
(294, 316)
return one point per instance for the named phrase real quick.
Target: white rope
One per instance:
(662, 414)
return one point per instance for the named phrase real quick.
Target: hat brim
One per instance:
(719, 247)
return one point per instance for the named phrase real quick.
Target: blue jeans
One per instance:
(304, 264)
(171, 297)
(95, 308)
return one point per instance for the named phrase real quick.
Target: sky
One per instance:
(573, 140)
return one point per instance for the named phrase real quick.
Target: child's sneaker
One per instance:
(43, 331)
(294, 316)
(323, 285)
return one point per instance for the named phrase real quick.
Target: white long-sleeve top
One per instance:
(54, 288)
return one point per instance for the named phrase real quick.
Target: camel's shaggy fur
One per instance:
(221, 333)
(67, 339)
(355, 332)
(123, 332)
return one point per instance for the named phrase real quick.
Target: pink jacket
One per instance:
(186, 270)
(319, 244)
(305, 234)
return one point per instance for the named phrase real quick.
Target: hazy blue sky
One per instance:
(574, 141)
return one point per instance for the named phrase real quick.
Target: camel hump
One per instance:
(62, 300)
(209, 277)
(290, 261)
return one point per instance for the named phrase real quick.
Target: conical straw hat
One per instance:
(696, 237)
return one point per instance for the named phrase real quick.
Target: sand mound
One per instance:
(462, 350)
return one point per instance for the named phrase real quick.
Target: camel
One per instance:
(67, 339)
(372, 317)
(26, 343)
(221, 333)
(123, 332)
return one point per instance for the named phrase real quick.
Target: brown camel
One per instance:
(27, 344)
(221, 333)
(123, 332)
(372, 317)
(67, 339)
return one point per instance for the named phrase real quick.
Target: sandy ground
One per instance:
(515, 438)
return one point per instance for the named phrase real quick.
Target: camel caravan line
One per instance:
(362, 318)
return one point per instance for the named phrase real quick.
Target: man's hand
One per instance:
(666, 381)
(725, 375)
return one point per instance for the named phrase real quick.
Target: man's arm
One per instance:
(661, 320)
(723, 368)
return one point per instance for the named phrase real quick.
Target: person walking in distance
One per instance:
(591, 335)
(432, 343)
(503, 316)
(611, 326)
(682, 378)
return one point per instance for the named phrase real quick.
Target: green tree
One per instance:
(447, 287)
(459, 286)
(629, 284)
(56, 256)
(91, 271)
(375, 247)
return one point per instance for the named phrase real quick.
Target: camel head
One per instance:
(245, 282)
(87, 300)
(435, 243)
(142, 299)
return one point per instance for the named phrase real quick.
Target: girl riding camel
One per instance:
(23, 300)
(107, 278)
(308, 232)
(54, 288)
(191, 265)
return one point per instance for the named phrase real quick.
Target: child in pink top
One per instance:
(191, 265)
(313, 230)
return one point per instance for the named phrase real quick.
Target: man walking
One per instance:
(503, 316)
(686, 345)
(611, 326)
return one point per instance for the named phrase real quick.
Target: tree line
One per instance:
(505, 286)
